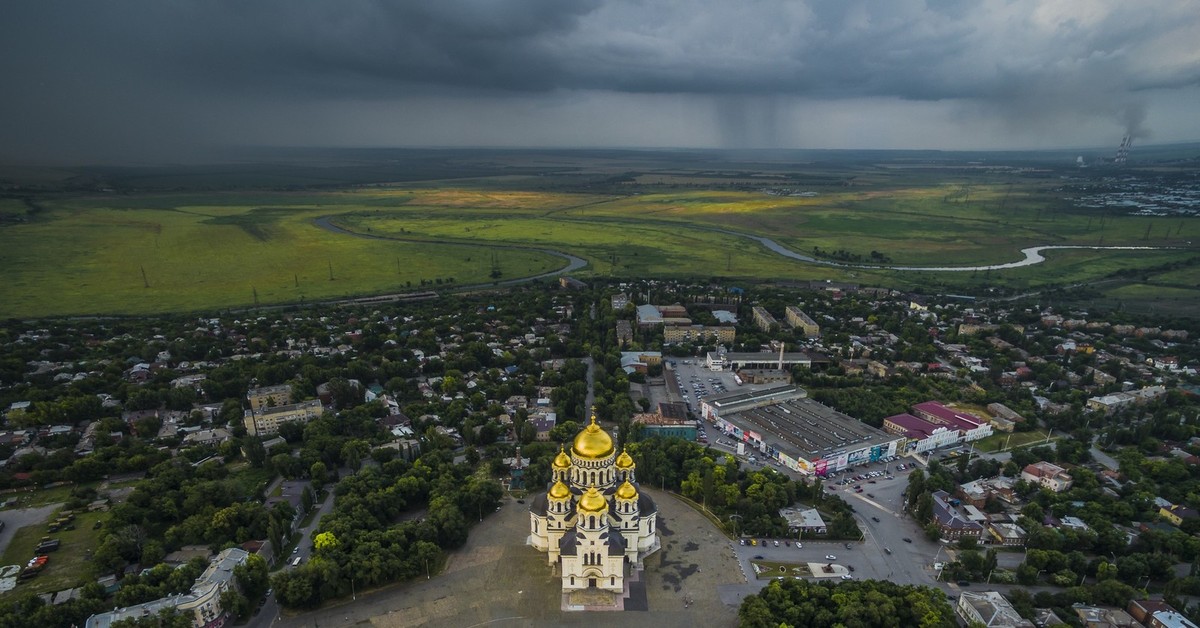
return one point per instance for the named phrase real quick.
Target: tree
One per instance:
(318, 474)
(325, 542)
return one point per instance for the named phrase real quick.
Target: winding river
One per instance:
(1033, 255)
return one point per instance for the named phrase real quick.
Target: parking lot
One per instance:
(693, 382)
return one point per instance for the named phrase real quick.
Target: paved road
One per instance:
(16, 519)
(1103, 458)
(269, 613)
(590, 400)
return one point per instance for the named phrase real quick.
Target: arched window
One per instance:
(612, 581)
(572, 580)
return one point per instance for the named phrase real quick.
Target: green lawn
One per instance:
(42, 496)
(771, 569)
(68, 566)
(996, 442)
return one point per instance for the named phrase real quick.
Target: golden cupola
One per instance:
(592, 443)
(560, 491)
(562, 460)
(593, 502)
(627, 491)
(625, 461)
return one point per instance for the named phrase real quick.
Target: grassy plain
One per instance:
(157, 252)
(179, 256)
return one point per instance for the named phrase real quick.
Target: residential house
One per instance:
(1177, 514)
(1047, 475)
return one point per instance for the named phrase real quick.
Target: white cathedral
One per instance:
(593, 522)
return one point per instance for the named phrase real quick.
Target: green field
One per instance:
(997, 442)
(68, 565)
(189, 251)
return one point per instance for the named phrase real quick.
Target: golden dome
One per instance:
(559, 491)
(592, 442)
(593, 501)
(625, 461)
(562, 461)
(626, 491)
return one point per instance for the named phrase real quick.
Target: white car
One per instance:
(830, 557)
(847, 576)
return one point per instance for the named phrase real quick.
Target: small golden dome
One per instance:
(559, 491)
(592, 443)
(626, 491)
(625, 461)
(593, 501)
(562, 460)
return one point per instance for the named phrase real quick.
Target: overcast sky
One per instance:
(166, 80)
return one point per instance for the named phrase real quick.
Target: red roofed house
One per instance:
(1047, 475)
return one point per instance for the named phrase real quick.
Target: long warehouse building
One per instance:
(804, 435)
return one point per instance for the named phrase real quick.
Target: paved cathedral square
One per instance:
(593, 522)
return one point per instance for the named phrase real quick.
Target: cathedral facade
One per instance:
(593, 522)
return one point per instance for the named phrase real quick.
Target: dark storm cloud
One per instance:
(144, 74)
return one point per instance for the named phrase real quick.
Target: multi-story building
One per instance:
(269, 396)
(202, 604)
(969, 426)
(798, 319)
(951, 523)
(1047, 475)
(764, 319)
(267, 421)
(724, 334)
(989, 608)
(921, 434)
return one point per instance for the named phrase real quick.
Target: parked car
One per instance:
(875, 519)
(758, 557)
(847, 577)
(907, 540)
(963, 583)
(847, 545)
(888, 550)
(830, 557)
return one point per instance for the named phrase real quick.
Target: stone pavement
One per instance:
(498, 580)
